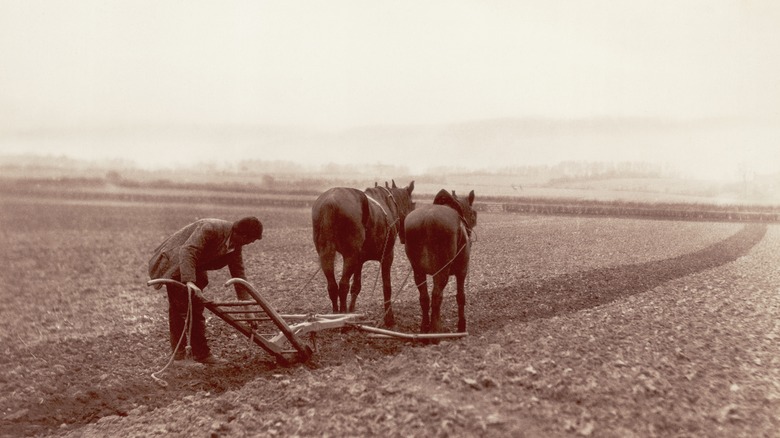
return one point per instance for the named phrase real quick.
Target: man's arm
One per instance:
(236, 267)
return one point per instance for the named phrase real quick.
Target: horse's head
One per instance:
(464, 207)
(403, 200)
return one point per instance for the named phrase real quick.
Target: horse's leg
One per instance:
(351, 263)
(357, 284)
(425, 302)
(439, 283)
(327, 261)
(387, 290)
(461, 298)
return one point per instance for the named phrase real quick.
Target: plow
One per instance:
(292, 336)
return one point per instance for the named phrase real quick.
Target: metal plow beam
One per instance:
(389, 334)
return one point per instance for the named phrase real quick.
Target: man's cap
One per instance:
(250, 227)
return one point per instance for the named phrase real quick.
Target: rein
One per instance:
(188, 349)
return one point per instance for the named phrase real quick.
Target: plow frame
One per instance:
(234, 313)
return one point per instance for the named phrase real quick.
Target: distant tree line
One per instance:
(570, 171)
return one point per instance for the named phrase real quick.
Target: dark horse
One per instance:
(438, 243)
(361, 226)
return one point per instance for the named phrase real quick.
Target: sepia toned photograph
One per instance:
(389, 219)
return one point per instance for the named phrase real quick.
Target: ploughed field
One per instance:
(577, 327)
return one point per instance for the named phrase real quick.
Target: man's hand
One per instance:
(195, 291)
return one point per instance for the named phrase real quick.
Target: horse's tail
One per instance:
(323, 220)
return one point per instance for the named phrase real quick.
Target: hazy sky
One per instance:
(334, 65)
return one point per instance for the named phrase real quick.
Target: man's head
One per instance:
(246, 231)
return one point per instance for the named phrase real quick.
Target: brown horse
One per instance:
(361, 226)
(438, 243)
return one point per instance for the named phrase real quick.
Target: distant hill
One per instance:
(606, 181)
(711, 148)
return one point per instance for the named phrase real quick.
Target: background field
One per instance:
(578, 326)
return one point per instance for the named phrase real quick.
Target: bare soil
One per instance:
(577, 327)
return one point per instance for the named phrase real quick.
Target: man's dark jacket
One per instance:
(200, 246)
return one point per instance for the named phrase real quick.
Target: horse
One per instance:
(438, 243)
(361, 226)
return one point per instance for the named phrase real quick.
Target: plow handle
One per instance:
(157, 281)
(196, 294)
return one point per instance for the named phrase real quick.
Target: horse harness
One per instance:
(465, 225)
(387, 220)
(397, 209)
